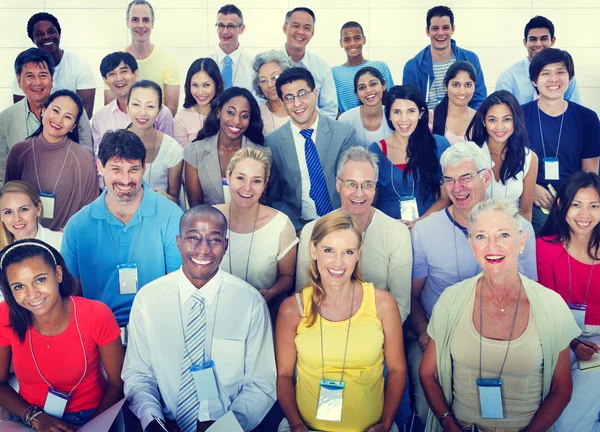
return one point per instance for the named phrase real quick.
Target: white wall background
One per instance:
(395, 31)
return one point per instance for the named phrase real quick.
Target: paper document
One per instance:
(104, 421)
(227, 423)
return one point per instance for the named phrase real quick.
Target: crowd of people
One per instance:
(299, 247)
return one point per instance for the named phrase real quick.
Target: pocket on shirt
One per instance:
(228, 356)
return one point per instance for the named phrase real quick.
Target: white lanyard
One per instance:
(36, 169)
(562, 117)
(229, 249)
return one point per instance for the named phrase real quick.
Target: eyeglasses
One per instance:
(228, 26)
(263, 81)
(351, 184)
(463, 179)
(302, 95)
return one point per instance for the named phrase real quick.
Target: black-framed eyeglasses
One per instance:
(301, 95)
(463, 179)
(229, 27)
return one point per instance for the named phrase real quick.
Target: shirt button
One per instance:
(204, 416)
(124, 230)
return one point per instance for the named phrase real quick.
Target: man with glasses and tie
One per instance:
(234, 62)
(188, 362)
(442, 255)
(306, 152)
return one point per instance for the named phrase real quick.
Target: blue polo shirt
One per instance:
(148, 240)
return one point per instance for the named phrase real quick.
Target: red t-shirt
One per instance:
(384, 151)
(553, 273)
(62, 364)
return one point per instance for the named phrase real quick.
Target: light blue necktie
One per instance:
(195, 335)
(227, 72)
(318, 187)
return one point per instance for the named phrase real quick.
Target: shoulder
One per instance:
(22, 147)
(4, 318)
(307, 231)
(442, 144)
(334, 125)
(528, 228)
(92, 309)
(465, 54)
(241, 290)
(12, 110)
(456, 292)
(273, 140)
(581, 110)
(550, 299)
(392, 228)
(199, 149)
(350, 116)
(168, 282)
(163, 54)
(548, 246)
(384, 301)
(289, 311)
(528, 108)
(435, 220)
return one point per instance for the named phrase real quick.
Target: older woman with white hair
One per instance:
(268, 66)
(498, 355)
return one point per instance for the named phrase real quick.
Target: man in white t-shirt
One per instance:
(72, 72)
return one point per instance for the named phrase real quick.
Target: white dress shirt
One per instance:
(241, 66)
(309, 209)
(239, 339)
(321, 72)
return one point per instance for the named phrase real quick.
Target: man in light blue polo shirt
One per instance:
(126, 238)
(442, 255)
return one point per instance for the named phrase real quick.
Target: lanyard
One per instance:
(82, 348)
(112, 240)
(229, 249)
(392, 166)
(347, 338)
(36, 169)
(589, 278)
(454, 223)
(562, 117)
(481, 327)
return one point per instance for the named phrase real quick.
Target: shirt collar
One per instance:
(113, 107)
(27, 110)
(296, 129)
(147, 206)
(235, 56)
(208, 292)
(304, 60)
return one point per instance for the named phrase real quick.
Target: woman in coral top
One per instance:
(57, 342)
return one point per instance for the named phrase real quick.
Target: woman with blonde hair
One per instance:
(262, 240)
(21, 212)
(337, 332)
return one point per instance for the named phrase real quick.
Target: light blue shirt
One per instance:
(148, 240)
(442, 254)
(516, 80)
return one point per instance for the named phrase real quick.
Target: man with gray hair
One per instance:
(386, 254)
(442, 255)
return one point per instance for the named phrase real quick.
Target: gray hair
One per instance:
(266, 57)
(465, 151)
(359, 154)
(140, 2)
(509, 209)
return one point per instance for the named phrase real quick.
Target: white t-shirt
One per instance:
(365, 137)
(169, 154)
(512, 190)
(73, 73)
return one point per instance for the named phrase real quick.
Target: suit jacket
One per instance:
(14, 130)
(285, 185)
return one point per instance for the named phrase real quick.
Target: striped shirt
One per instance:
(437, 90)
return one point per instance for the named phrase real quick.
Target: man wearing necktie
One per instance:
(305, 151)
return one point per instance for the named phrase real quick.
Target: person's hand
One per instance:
(379, 427)
(163, 193)
(47, 423)
(585, 351)
(542, 198)
(298, 428)
(451, 425)
(153, 426)
(423, 341)
(409, 224)
(267, 295)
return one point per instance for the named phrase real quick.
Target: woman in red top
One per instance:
(57, 342)
(567, 257)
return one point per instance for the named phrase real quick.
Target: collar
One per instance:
(113, 107)
(208, 292)
(28, 111)
(41, 233)
(235, 56)
(146, 208)
(296, 130)
(304, 60)
(40, 141)
(456, 224)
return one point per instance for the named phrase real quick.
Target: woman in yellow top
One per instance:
(339, 329)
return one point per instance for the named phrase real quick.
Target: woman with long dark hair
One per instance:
(58, 342)
(234, 122)
(409, 167)
(499, 129)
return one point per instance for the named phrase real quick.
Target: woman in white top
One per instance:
(21, 210)
(367, 119)
(164, 156)
(267, 67)
(262, 240)
(499, 129)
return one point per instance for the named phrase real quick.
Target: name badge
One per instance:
(204, 379)
(226, 191)
(128, 280)
(578, 311)
(48, 204)
(551, 168)
(329, 407)
(56, 402)
(490, 398)
(408, 209)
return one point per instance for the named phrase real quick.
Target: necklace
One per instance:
(493, 302)
(62, 320)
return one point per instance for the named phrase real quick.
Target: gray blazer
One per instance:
(285, 185)
(204, 156)
(14, 130)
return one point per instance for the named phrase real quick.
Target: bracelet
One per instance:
(35, 415)
(32, 415)
(446, 414)
(24, 416)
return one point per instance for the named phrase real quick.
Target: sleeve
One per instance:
(572, 93)
(328, 96)
(89, 182)
(106, 328)
(96, 134)
(175, 153)
(3, 148)
(563, 320)
(420, 268)
(164, 122)
(400, 269)
(505, 81)
(179, 129)
(11, 167)
(591, 135)
(15, 87)
(258, 393)
(190, 154)
(5, 330)
(349, 140)
(85, 133)
(84, 75)
(303, 257)
(527, 260)
(480, 89)
(68, 249)
(287, 238)
(140, 386)
(171, 71)
(545, 264)
(408, 75)
(387, 76)
(171, 251)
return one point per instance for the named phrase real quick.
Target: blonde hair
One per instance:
(250, 153)
(509, 209)
(17, 186)
(334, 221)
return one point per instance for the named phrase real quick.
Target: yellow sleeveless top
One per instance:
(363, 373)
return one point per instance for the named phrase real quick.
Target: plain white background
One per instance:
(395, 31)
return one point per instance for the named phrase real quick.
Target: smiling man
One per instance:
(72, 72)
(126, 237)
(306, 152)
(442, 255)
(188, 361)
(352, 40)
(538, 35)
(427, 69)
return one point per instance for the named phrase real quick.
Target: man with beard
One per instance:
(126, 238)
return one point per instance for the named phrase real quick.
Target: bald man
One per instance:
(188, 361)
